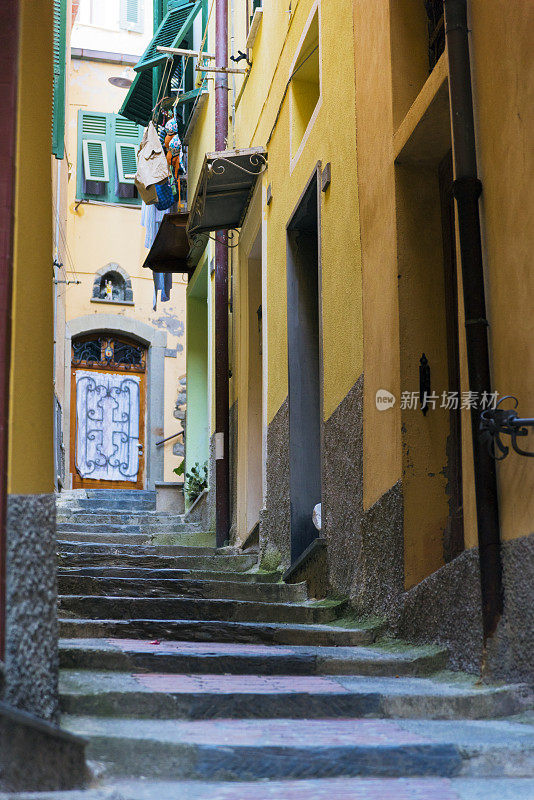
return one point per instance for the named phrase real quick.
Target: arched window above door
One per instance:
(105, 351)
(112, 284)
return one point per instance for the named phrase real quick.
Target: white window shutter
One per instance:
(132, 15)
(95, 160)
(126, 161)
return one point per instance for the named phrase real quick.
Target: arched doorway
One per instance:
(108, 406)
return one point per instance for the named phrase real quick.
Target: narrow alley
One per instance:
(193, 674)
(266, 400)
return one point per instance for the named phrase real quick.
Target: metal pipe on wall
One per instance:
(467, 190)
(222, 436)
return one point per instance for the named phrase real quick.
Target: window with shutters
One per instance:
(58, 89)
(107, 158)
(132, 15)
(175, 30)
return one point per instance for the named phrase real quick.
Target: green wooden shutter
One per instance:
(170, 33)
(127, 136)
(95, 146)
(95, 160)
(58, 90)
(126, 161)
(139, 102)
(132, 15)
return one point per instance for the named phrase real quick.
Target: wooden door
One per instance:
(108, 404)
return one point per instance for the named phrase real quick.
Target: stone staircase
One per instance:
(194, 675)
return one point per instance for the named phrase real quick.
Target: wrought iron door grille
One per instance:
(436, 31)
(105, 352)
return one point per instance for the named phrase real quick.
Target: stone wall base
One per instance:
(446, 608)
(31, 663)
(275, 526)
(36, 756)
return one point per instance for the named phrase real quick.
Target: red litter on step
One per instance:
(156, 641)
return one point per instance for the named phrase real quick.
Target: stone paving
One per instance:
(336, 789)
(275, 698)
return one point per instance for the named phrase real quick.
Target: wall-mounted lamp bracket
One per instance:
(495, 422)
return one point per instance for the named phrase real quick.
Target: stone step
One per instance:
(68, 538)
(110, 504)
(168, 587)
(141, 494)
(142, 549)
(177, 574)
(124, 559)
(158, 527)
(142, 517)
(187, 539)
(230, 696)
(240, 750)
(165, 608)
(354, 654)
(318, 789)
(72, 527)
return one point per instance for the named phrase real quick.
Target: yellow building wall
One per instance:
(30, 456)
(99, 234)
(263, 114)
(504, 113)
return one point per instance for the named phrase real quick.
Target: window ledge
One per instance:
(423, 136)
(113, 302)
(104, 203)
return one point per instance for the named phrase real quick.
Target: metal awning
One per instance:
(224, 189)
(172, 250)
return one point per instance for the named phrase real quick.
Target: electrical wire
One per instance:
(66, 249)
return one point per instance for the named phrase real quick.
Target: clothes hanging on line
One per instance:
(151, 220)
(163, 284)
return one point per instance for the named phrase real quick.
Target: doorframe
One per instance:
(251, 229)
(314, 177)
(155, 341)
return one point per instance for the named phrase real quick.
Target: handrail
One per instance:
(180, 433)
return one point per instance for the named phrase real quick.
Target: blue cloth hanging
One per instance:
(163, 284)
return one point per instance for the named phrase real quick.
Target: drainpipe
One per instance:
(222, 396)
(9, 20)
(467, 190)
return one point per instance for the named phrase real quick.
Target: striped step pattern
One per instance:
(191, 671)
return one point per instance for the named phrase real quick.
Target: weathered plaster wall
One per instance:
(504, 112)
(100, 234)
(108, 36)
(275, 517)
(446, 608)
(31, 659)
(30, 443)
(262, 99)
(381, 436)
(342, 500)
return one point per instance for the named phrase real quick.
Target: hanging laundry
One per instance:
(150, 220)
(163, 284)
(152, 167)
